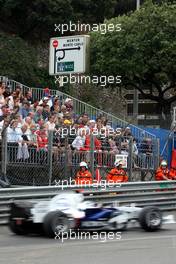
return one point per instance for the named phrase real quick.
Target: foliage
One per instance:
(143, 52)
(34, 19)
(19, 61)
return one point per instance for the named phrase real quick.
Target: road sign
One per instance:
(69, 55)
(123, 158)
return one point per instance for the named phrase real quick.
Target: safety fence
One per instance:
(25, 163)
(81, 107)
(161, 194)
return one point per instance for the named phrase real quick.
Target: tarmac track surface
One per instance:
(135, 247)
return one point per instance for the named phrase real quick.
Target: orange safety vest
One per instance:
(172, 174)
(83, 177)
(160, 173)
(117, 175)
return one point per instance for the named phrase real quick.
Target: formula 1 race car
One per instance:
(69, 211)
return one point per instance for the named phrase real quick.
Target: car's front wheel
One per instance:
(150, 219)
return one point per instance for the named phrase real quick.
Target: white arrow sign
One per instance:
(69, 55)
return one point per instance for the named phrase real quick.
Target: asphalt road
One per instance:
(134, 247)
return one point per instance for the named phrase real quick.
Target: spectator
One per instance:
(46, 112)
(42, 145)
(85, 119)
(99, 124)
(56, 106)
(42, 139)
(63, 111)
(87, 146)
(46, 92)
(4, 111)
(91, 124)
(28, 97)
(38, 114)
(146, 149)
(23, 153)
(69, 104)
(127, 132)
(29, 122)
(79, 141)
(35, 105)
(112, 146)
(2, 99)
(13, 132)
(51, 122)
(104, 121)
(25, 109)
(6, 92)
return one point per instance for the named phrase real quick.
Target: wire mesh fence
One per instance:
(28, 163)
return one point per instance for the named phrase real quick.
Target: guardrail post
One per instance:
(50, 155)
(157, 161)
(4, 153)
(92, 155)
(130, 159)
(66, 159)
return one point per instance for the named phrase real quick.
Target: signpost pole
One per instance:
(135, 98)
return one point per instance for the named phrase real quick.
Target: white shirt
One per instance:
(13, 135)
(51, 126)
(79, 142)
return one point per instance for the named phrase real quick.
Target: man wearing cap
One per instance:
(83, 176)
(69, 104)
(117, 174)
(162, 173)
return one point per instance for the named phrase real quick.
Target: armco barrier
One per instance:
(161, 194)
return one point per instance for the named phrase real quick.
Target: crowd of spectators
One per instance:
(29, 121)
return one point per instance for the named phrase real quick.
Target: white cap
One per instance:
(163, 163)
(83, 164)
(67, 100)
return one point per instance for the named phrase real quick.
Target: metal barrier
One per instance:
(161, 194)
(27, 165)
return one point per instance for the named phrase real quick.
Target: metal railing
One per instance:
(81, 107)
(26, 164)
(161, 194)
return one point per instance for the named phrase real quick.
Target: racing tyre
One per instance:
(56, 223)
(150, 219)
(17, 229)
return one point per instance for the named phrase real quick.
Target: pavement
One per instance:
(134, 246)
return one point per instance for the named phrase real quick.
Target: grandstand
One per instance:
(43, 116)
